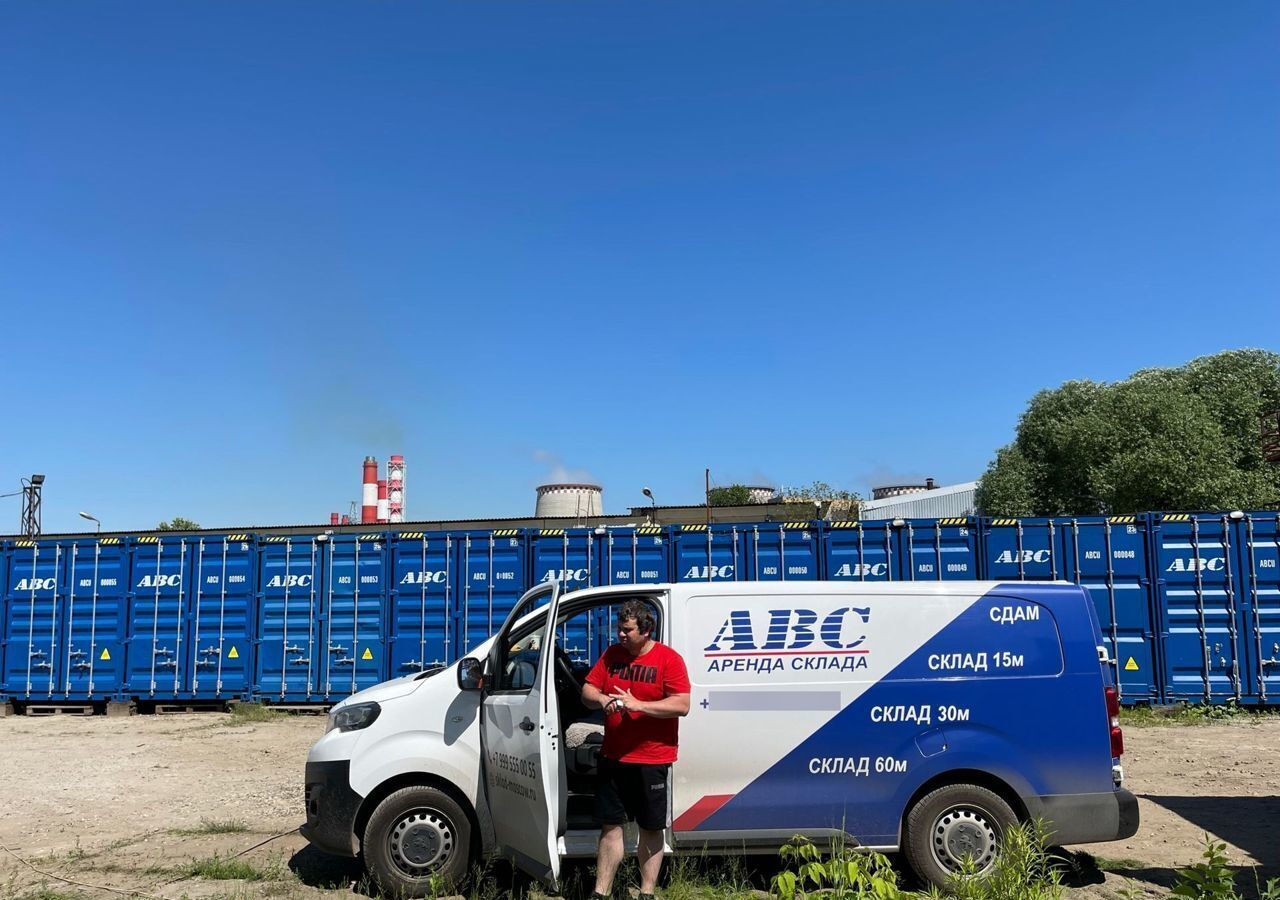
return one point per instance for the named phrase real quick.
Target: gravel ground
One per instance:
(105, 802)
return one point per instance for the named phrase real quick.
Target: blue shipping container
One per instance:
(569, 556)
(493, 569)
(1197, 593)
(157, 607)
(710, 553)
(288, 653)
(783, 551)
(33, 596)
(353, 623)
(1259, 547)
(219, 663)
(854, 551)
(1020, 550)
(92, 661)
(424, 578)
(939, 549)
(1108, 556)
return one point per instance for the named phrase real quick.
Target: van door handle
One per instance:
(527, 724)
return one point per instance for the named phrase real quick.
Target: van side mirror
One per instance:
(470, 673)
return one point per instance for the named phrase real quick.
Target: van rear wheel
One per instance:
(954, 823)
(417, 838)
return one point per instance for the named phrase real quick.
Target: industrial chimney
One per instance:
(369, 495)
(395, 489)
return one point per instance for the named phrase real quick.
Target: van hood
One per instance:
(390, 690)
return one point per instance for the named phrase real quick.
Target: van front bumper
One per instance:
(1088, 818)
(331, 808)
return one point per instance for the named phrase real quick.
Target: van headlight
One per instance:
(353, 718)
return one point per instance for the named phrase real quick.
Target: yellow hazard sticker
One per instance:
(1131, 665)
(367, 654)
(105, 654)
(234, 654)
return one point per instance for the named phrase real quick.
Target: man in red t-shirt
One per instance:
(643, 687)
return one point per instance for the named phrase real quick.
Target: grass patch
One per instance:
(1123, 864)
(251, 713)
(44, 892)
(1191, 714)
(213, 826)
(217, 868)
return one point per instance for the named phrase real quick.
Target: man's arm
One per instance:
(593, 697)
(672, 707)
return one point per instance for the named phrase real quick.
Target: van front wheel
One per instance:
(954, 823)
(417, 839)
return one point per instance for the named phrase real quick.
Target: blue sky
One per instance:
(244, 244)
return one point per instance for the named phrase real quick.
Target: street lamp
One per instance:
(653, 505)
(85, 515)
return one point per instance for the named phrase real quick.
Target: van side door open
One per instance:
(520, 737)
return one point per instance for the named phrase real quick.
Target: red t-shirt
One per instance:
(633, 737)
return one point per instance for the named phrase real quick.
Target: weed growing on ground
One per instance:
(1023, 870)
(250, 713)
(44, 892)
(1213, 879)
(217, 868)
(844, 874)
(214, 826)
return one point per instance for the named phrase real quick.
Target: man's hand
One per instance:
(671, 707)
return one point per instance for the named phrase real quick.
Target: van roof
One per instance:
(779, 588)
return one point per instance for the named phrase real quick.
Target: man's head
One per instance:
(635, 625)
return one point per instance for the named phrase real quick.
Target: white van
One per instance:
(917, 717)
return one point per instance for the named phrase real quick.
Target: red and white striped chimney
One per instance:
(395, 489)
(369, 494)
(333, 518)
(382, 501)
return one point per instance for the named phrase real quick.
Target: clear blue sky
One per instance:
(243, 244)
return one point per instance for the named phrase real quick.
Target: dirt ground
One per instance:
(106, 802)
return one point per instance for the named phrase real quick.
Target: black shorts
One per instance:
(627, 791)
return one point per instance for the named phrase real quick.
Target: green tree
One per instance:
(177, 523)
(1183, 438)
(733, 495)
(1006, 487)
(819, 490)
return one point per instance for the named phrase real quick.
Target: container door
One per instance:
(352, 629)
(567, 557)
(855, 551)
(520, 731)
(93, 663)
(712, 553)
(423, 575)
(1021, 550)
(34, 599)
(1108, 557)
(1260, 566)
(939, 550)
(787, 551)
(221, 648)
(633, 556)
(157, 616)
(4, 617)
(1197, 590)
(492, 569)
(627, 556)
(287, 657)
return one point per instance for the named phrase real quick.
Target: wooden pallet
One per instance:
(57, 709)
(174, 707)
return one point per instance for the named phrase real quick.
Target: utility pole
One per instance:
(707, 496)
(30, 526)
